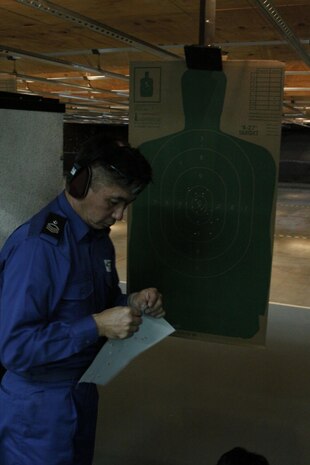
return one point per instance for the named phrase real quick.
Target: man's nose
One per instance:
(118, 213)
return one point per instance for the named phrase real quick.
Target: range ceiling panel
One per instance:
(79, 52)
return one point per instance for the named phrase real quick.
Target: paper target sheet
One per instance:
(206, 223)
(115, 355)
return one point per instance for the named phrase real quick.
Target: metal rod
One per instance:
(257, 43)
(272, 14)
(202, 18)
(54, 82)
(69, 15)
(207, 22)
(57, 62)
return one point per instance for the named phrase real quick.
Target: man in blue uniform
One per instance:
(59, 301)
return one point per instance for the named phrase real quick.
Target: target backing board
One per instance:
(202, 232)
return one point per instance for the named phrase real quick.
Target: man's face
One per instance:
(102, 208)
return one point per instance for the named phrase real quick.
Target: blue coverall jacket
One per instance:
(55, 272)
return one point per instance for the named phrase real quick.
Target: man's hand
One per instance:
(118, 322)
(148, 301)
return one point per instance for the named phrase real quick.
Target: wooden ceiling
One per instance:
(66, 49)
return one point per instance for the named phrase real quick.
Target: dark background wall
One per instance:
(76, 134)
(295, 155)
(294, 159)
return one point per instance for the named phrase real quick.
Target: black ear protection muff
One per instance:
(80, 176)
(78, 180)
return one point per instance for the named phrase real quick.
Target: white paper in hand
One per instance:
(117, 353)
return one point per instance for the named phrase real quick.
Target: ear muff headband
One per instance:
(79, 180)
(80, 175)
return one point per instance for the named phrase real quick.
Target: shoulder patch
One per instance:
(54, 226)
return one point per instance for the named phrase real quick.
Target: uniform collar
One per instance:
(78, 226)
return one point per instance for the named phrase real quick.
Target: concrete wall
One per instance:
(31, 144)
(186, 402)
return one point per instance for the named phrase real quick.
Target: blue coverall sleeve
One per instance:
(32, 332)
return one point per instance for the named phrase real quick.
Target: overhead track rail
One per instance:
(103, 51)
(56, 82)
(69, 15)
(15, 52)
(272, 14)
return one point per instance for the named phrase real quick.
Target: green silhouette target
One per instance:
(202, 231)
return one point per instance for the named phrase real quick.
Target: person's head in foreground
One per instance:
(240, 456)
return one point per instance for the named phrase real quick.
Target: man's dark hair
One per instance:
(240, 456)
(122, 164)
